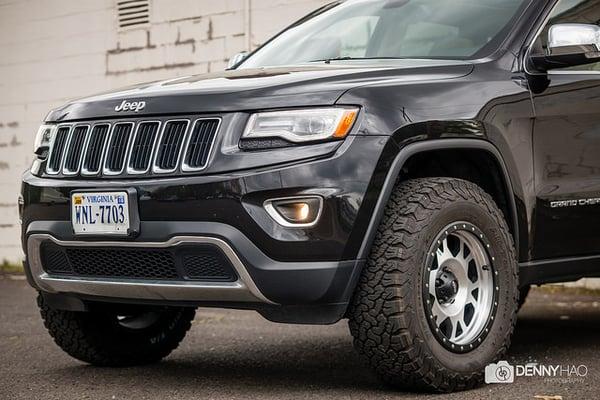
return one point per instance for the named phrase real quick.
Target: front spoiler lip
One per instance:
(242, 290)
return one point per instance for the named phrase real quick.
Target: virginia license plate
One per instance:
(101, 213)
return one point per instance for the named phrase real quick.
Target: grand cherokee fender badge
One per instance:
(575, 203)
(136, 106)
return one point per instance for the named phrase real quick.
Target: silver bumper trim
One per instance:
(243, 290)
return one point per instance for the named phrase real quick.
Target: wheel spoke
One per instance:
(463, 258)
(432, 276)
(443, 252)
(462, 318)
(468, 260)
(439, 254)
(470, 298)
(454, 321)
(463, 247)
(438, 313)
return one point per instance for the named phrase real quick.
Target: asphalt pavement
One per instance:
(238, 355)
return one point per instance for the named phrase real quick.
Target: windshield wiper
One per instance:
(346, 58)
(329, 60)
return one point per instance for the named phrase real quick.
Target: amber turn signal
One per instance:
(346, 123)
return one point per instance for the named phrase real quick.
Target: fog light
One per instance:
(296, 212)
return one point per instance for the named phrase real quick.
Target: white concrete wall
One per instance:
(55, 50)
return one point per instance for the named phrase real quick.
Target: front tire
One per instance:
(438, 338)
(109, 338)
(523, 293)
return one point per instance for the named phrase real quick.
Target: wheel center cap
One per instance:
(446, 286)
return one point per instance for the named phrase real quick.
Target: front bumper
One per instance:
(260, 279)
(290, 292)
(288, 274)
(241, 290)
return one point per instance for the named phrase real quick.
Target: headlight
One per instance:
(302, 125)
(43, 139)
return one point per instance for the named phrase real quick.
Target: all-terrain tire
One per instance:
(99, 338)
(523, 293)
(387, 316)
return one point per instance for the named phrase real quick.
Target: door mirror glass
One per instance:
(569, 45)
(238, 58)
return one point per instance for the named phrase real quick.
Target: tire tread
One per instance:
(380, 314)
(74, 333)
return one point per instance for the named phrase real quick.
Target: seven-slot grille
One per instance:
(113, 149)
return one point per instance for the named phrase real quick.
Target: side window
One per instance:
(571, 11)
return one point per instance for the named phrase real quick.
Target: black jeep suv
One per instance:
(410, 165)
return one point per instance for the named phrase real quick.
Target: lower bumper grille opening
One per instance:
(205, 266)
(191, 263)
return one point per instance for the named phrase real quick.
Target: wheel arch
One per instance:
(431, 148)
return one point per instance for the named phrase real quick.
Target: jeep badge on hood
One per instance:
(136, 106)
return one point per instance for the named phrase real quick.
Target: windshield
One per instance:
(388, 29)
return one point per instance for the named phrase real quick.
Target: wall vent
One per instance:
(133, 13)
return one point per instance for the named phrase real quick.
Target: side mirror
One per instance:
(238, 58)
(569, 45)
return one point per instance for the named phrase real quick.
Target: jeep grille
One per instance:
(132, 147)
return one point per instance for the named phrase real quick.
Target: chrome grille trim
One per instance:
(185, 163)
(106, 170)
(155, 167)
(130, 169)
(69, 150)
(95, 151)
(97, 154)
(53, 153)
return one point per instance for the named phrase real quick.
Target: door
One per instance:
(566, 148)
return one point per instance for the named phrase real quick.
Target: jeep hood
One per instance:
(255, 89)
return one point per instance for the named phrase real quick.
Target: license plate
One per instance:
(101, 213)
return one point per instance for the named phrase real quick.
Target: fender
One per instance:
(420, 147)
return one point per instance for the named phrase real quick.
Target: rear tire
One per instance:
(391, 315)
(109, 339)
